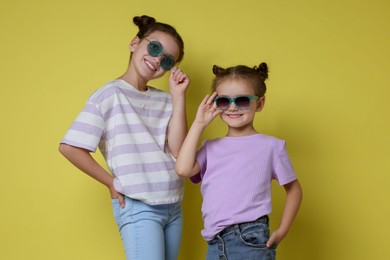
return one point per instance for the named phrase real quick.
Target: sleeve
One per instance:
(87, 129)
(201, 158)
(283, 171)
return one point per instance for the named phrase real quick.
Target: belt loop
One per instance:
(237, 230)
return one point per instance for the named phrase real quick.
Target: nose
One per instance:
(232, 107)
(158, 59)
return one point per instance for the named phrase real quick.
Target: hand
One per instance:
(178, 81)
(117, 195)
(276, 237)
(207, 111)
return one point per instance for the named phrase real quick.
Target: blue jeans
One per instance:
(245, 241)
(149, 232)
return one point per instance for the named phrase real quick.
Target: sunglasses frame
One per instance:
(233, 100)
(167, 61)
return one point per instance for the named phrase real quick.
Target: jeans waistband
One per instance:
(264, 220)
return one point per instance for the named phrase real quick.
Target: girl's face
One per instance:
(239, 121)
(147, 66)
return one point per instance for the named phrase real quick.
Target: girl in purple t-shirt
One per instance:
(236, 171)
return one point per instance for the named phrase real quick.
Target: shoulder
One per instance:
(266, 139)
(110, 89)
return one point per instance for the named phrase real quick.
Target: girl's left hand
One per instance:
(178, 81)
(276, 237)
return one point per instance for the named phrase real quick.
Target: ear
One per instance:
(134, 43)
(260, 104)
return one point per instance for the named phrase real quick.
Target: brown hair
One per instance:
(147, 25)
(255, 76)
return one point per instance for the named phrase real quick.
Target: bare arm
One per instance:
(293, 202)
(83, 160)
(178, 83)
(186, 165)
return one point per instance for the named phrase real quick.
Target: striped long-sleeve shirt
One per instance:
(130, 129)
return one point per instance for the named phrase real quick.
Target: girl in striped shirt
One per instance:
(139, 130)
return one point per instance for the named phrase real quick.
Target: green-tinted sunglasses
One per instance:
(241, 102)
(155, 49)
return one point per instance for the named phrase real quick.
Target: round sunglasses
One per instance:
(155, 49)
(241, 102)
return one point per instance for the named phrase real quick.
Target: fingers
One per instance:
(269, 243)
(209, 99)
(274, 238)
(121, 200)
(205, 100)
(217, 111)
(178, 76)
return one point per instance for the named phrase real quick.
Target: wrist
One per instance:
(178, 95)
(198, 126)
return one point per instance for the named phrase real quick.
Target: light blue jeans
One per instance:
(149, 232)
(245, 241)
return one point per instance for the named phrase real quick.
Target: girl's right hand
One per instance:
(207, 111)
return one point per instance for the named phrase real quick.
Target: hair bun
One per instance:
(142, 21)
(217, 70)
(262, 70)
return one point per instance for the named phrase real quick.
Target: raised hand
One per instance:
(207, 111)
(178, 81)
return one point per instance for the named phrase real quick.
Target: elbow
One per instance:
(65, 149)
(62, 149)
(297, 191)
(181, 172)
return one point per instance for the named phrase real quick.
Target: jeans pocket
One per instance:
(255, 235)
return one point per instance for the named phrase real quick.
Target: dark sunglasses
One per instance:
(241, 102)
(155, 49)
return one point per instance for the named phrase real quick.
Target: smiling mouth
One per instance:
(233, 115)
(150, 65)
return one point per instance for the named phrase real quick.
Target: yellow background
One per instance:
(328, 98)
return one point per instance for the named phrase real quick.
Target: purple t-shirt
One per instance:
(236, 175)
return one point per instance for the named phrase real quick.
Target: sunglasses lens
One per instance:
(155, 48)
(167, 63)
(222, 103)
(243, 102)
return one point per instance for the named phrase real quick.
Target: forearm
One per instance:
(186, 161)
(85, 162)
(293, 202)
(178, 125)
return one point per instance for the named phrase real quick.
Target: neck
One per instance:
(235, 132)
(134, 80)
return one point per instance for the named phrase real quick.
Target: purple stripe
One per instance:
(90, 108)
(138, 96)
(136, 128)
(129, 109)
(159, 186)
(87, 128)
(145, 167)
(135, 148)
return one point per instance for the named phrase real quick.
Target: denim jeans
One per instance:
(245, 241)
(149, 232)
